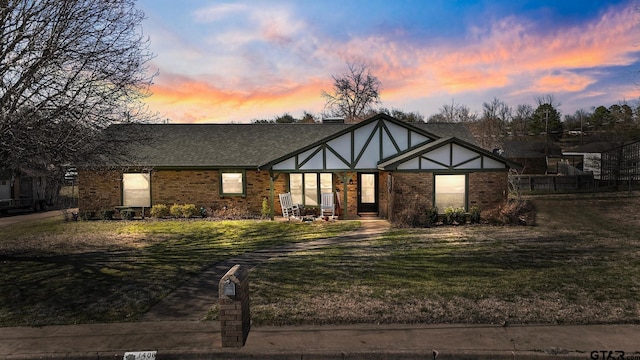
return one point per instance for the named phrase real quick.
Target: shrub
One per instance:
(106, 214)
(454, 216)
(266, 209)
(518, 212)
(127, 214)
(159, 211)
(416, 216)
(189, 211)
(176, 210)
(432, 215)
(474, 215)
(86, 215)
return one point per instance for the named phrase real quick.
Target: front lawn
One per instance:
(52, 272)
(579, 265)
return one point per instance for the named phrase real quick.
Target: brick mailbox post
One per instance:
(235, 318)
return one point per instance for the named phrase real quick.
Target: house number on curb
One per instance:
(140, 355)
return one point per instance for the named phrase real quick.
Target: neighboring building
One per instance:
(22, 189)
(536, 157)
(377, 167)
(620, 163)
(587, 157)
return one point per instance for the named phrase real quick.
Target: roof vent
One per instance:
(333, 120)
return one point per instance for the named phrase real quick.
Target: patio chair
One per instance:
(328, 205)
(288, 207)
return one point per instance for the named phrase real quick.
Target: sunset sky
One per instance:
(236, 61)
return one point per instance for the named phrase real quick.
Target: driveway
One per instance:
(15, 219)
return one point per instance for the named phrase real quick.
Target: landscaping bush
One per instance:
(189, 211)
(160, 211)
(455, 216)
(514, 212)
(106, 214)
(127, 214)
(474, 215)
(86, 215)
(176, 210)
(266, 209)
(432, 215)
(416, 216)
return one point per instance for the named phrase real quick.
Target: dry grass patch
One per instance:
(580, 265)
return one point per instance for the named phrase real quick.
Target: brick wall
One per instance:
(488, 190)
(99, 190)
(410, 188)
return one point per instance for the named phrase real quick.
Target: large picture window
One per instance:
(307, 188)
(232, 183)
(450, 191)
(136, 189)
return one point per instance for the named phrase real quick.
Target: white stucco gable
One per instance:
(447, 154)
(360, 147)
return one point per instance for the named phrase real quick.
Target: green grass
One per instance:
(581, 264)
(52, 272)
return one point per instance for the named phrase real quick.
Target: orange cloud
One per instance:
(510, 55)
(197, 101)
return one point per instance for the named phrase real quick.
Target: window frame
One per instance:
(123, 197)
(466, 190)
(318, 188)
(243, 178)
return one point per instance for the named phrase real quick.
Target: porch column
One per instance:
(272, 196)
(345, 206)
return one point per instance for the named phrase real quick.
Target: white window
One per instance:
(232, 183)
(450, 191)
(136, 190)
(307, 188)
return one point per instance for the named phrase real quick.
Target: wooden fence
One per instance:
(551, 183)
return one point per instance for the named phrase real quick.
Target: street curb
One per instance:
(311, 355)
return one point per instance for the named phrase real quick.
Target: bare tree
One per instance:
(548, 99)
(354, 93)
(68, 69)
(490, 130)
(521, 119)
(453, 113)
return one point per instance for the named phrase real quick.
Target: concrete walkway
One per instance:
(171, 330)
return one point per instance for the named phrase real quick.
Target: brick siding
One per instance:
(101, 190)
(487, 190)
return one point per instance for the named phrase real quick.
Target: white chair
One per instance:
(288, 207)
(328, 205)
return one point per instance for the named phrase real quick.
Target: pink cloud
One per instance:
(237, 80)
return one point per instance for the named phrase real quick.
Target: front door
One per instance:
(368, 193)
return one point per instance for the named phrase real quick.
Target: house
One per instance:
(23, 189)
(375, 167)
(536, 156)
(587, 157)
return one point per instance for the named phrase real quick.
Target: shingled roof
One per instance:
(232, 145)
